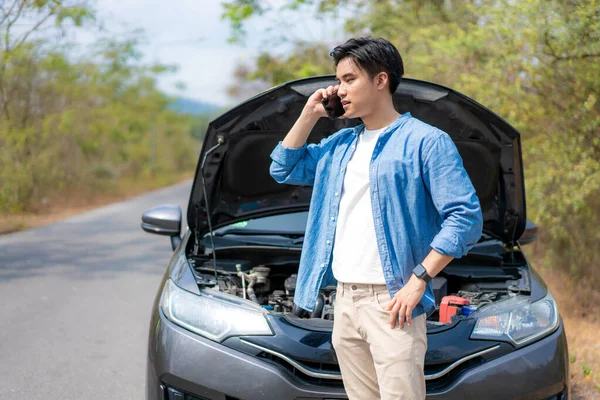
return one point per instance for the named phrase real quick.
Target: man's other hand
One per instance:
(405, 301)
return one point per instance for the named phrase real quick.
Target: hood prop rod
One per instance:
(220, 141)
(512, 237)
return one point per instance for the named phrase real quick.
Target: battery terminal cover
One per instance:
(450, 306)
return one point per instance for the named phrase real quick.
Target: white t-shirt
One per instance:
(355, 254)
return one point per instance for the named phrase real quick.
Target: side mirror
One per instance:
(164, 220)
(530, 233)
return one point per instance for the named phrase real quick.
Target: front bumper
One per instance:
(207, 370)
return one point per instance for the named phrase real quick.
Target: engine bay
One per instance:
(461, 289)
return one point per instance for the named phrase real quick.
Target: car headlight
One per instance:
(517, 320)
(210, 316)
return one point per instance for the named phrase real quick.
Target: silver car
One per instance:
(224, 325)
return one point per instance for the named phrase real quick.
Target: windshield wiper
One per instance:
(258, 232)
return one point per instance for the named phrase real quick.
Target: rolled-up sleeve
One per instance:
(454, 197)
(298, 166)
(294, 166)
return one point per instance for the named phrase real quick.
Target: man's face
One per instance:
(357, 91)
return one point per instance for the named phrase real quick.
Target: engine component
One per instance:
(279, 301)
(468, 310)
(258, 276)
(481, 298)
(440, 288)
(262, 274)
(250, 289)
(290, 284)
(328, 309)
(319, 304)
(299, 311)
(228, 284)
(238, 267)
(273, 286)
(450, 306)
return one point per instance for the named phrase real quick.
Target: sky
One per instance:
(192, 35)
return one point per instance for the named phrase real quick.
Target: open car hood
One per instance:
(239, 186)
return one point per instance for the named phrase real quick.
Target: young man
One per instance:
(392, 205)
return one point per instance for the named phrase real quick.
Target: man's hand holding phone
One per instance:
(325, 103)
(313, 110)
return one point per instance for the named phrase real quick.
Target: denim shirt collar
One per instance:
(359, 128)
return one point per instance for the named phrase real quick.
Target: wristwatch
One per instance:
(421, 272)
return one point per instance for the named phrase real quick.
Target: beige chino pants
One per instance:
(376, 361)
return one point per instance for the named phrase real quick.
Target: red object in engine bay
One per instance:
(448, 307)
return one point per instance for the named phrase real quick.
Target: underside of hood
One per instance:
(239, 185)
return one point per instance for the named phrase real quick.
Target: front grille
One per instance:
(448, 378)
(434, 384)
(320, 367)
(325, 374)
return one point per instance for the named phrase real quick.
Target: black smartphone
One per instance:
(333, 106)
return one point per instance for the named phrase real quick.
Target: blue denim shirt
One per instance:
(421, 196)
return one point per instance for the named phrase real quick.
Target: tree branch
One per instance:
(577, 56)
(35, 27)
(6, 15)
(10, 24)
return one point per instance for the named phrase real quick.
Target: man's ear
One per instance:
(381, 80)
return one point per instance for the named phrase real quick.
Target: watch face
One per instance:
(419, 270)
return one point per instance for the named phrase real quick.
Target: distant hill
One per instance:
(194, 107)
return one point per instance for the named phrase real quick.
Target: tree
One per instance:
(534, 62)
(40, 13)
(80, 123)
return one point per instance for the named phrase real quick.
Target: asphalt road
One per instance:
(75, 299)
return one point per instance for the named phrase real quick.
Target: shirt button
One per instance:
(329, 242)
(336, 194)
(333, 218)
(323, 265)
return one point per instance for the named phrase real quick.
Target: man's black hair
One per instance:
(373, 56)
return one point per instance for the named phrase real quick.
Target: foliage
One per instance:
(534, 62)
(80, 124)
(305, 60)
